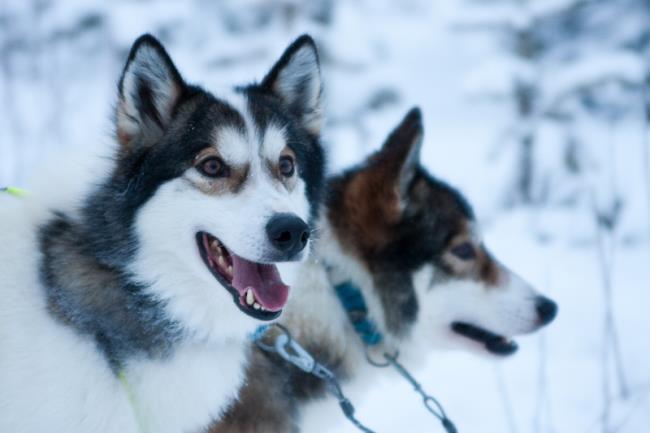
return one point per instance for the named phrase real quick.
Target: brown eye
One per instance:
(286, 166)
(213, 167)
(464, 251)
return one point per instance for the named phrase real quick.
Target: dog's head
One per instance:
(417, 239)
(214, 190)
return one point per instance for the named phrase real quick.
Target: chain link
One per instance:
(291, 351)
(430, 402)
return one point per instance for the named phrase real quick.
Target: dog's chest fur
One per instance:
(99, 300)
(56, 378)
(185, 392)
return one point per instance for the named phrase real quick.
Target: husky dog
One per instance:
(131, 311)
(411, 246)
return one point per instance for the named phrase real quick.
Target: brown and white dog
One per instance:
(411, 245)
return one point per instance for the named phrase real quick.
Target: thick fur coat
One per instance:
(129, 310)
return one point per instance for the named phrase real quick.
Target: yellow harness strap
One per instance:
(17, 192)
(132, 401)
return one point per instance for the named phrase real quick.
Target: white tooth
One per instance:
(222, 262)
(250, 298)
(257, 306)
(229, 270)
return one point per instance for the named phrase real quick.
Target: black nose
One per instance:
(288, 234)
(546, 310)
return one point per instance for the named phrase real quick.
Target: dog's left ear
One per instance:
(296, 80)
(399, 156)
(149, 91)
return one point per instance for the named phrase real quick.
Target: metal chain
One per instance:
(291, 351)
(430, 402)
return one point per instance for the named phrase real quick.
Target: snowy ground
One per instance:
(59, 94)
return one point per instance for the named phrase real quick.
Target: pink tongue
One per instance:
(263, 279)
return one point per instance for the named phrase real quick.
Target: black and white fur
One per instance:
(116, 286)
(411, 244)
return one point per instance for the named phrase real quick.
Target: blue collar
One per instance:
(259, 332)
(355, 306)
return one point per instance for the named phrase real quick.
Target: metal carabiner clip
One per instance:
(294, 353)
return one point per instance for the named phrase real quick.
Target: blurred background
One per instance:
(538, 110)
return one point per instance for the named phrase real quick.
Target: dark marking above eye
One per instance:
(489, 271)
(464, 251)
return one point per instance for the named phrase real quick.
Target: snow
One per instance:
(622, 66)
(380, 58)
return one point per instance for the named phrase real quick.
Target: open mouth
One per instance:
(257, 288)
(494, 343)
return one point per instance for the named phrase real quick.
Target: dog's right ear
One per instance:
(399, 156)
(149, 91)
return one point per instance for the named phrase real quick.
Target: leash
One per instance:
(16, 192)
(291, 351)
(356, 308)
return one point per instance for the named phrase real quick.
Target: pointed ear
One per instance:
(296, 80)
(399, 157)
(149, 91)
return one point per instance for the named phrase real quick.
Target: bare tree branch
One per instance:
(507, 403)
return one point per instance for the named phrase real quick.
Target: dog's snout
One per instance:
(546, 310)
(288, 234)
